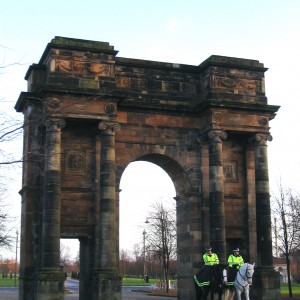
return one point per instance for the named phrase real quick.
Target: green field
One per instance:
(284, 290)
(7, 282)
(127, 281)
(137, 281)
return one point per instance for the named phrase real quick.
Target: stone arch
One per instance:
(180, 177)
(96, 113)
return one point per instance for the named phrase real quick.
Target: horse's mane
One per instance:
(246, 266)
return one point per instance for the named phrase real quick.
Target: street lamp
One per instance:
(16, 262)
(144, 254)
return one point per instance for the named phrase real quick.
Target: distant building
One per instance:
(279, 264)
(8, 266)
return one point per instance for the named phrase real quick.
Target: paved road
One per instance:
(128, 293)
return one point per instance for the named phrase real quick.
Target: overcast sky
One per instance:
(186, 32)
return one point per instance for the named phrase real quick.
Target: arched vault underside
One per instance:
(89, 113)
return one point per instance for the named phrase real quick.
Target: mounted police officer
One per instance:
(210, 259)
(235, 261)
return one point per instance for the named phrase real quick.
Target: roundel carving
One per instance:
(53, 103)
(218, 117)
(263, 121)
(110, 108)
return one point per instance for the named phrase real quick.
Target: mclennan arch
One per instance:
(88, 113)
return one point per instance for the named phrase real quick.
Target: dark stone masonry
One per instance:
(88, 113)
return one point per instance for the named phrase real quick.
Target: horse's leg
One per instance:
(238, 294)
(205, 292)
(226, 294)
(246, 293)
(198, 292)
(220, 295)
(229, 293)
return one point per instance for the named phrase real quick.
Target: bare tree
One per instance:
(7, 228)
(10, 130)
(6, 239)
(124, 262)
(286, 209)
(65, 254)
(161, 236)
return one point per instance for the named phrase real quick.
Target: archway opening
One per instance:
(143, 185)
(69, 257)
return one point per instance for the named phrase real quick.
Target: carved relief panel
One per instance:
(75, 162)
(230, 170)
(80, 67)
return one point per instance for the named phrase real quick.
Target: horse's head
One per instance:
(247, 271)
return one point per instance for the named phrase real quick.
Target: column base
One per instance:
(27, 288)
(50, 284)
(266, 284)
(106, 285)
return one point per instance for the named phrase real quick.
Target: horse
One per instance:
(242, 282)
(209, 280)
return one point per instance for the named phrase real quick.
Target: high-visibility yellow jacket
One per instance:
(210, 259)
(235, 261)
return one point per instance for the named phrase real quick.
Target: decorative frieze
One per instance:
(78, 67)
(237, 85)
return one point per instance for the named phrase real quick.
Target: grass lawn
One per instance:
(8, 282)
(284, 289)
(127, 281)
(137, 281)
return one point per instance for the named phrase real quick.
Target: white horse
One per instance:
(242, 282)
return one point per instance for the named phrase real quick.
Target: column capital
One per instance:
(54, 123)
(217, 135)
(107, 125)
(261, 138)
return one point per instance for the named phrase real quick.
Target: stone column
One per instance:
(50, 276)
(108, 280)
(216, 193)
(266, 285)
(85, 261)
(251, 197)
(30, 237)
(263, 210)
(204, 165)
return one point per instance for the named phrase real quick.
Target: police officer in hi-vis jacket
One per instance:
(210, 258)
(235, 261)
